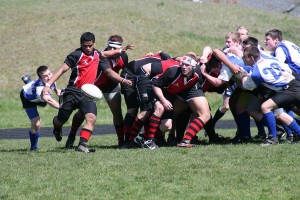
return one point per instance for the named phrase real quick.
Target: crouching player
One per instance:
(31, 98)
(185, 82)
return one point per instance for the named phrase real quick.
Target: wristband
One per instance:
(47, 84)
(122, 80)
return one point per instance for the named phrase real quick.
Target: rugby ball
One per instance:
(92, 91)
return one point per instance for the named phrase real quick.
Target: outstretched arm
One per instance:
(64, 67)
(222, 57)
(213, 80)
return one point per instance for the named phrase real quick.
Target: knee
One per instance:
(166, 125)
(159, 109)
(205, 117)
(91, 118)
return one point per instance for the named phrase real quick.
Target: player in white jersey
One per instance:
(31, 97)
(285, 51)
(273, 74)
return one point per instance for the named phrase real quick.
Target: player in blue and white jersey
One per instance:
(273, 74)
(285, 51)
(31, 97)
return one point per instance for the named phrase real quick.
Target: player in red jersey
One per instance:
(108, 80)
(144, 90)
(130, 94)
(83, 63)
(186, 83)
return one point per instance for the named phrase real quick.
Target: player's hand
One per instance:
(236, 69)
(127, 82)
(46, 91)
(203, 59)
(129, 46)
(203, 69)
(167, 105)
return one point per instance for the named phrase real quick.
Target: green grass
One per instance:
(204, 172)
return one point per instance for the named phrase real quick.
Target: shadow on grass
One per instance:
(24, 150)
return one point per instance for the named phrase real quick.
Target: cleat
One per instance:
(219, 139)
(270, 142)
(196, 141)
(85, 149)
(58, 134)
(33, 149)
(121, 144)
(289, 139)
(240, 140)
(259, 137)
(171, 142)
(70, 143)
(133, 145)
(186, 144)
(139, 140)
(161, 142)
(26, 78)
(150, 144)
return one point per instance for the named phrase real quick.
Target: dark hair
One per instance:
(250, 41)
(40, 70)
(115, 38)
(87, 36)
(274, 34)
(252, 51)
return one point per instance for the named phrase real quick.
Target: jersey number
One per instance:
(275, 70)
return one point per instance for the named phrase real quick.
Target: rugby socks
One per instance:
(243, 125)
(210, 128)
(85, 135)
(146, 128)
(135, 129)
(154, 123)
(270, 122)
(294, 127)
(34, 138)
(76, 123)
(288, 131)
(194, 127)
(159, 134)
(218, 115)
(120, 132)
(128, 121)
(261, 128)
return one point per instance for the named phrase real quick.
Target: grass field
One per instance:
(37, 33)
(204, 172)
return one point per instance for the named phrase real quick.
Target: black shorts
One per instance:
(192, 92)
(73, 98)
(28, 104)
(289, 96)
(130, 97)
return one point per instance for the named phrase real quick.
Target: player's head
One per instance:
(251, 55)
(44, 73)
(114, 42)
(232, 39)
(243, 31)
(87, 42)
(250, 41)
(188, 63)
(272, 38)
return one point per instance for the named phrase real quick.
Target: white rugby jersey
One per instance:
(289, 53)
(33, 90)
(270, 72)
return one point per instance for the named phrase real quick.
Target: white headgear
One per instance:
(189, 61)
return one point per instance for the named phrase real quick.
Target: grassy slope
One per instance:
(37, 33)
